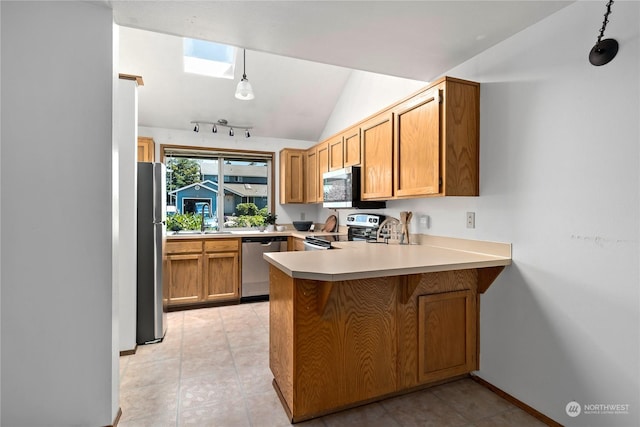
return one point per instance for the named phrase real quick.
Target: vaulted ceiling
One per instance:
(300, 53)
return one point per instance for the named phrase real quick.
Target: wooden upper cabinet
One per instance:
(292, 176)
(377, 157)
(323, 166)
(336, 153)
(351, 142)
(311, 176)
(146, 149)
(417, 145)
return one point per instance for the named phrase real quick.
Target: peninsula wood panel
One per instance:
(417, 146)
(377, 157)
(352, 147)
(413, 287)
(461, 127)
(446, 335)
(349, 349)
(281, 339)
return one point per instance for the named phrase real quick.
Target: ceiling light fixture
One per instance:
(604, 50)
(244, 91)
(223, 123)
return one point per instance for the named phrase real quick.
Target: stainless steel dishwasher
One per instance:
(255, 269)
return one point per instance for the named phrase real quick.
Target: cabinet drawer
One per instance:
(222, 245)
(183, 247)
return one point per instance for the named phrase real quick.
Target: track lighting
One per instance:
(223, 123)
(244, 90)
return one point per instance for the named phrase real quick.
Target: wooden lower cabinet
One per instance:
(335, 345)
(221, 276)
(446, 335)
(202, 271)
(185, 278)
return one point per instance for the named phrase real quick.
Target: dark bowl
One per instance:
(302, 225)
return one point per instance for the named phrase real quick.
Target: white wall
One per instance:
(57, 349)
(559, 179)
(127, 137)
(286, 213)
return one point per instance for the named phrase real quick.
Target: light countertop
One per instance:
(249, 233)
(360, 260)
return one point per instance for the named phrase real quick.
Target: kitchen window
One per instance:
(226, 188)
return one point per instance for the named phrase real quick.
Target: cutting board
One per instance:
(330, 224)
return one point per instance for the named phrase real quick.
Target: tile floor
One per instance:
(212, 369)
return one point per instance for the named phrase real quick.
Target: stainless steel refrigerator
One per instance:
(151, 313)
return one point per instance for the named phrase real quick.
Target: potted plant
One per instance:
(270, 220)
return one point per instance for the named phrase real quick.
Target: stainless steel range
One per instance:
(363, 226)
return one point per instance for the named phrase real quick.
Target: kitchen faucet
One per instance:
(206, 205)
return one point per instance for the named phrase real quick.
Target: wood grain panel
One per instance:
(446, 335)
(323, 166)
(281, 339)
(377, 157)
(183, 247)
(414, 286)
(222, 245)
(417, 146)
(352, 147)
(221, 280)
(336, 154)
(185, 278)
(353, 350)
(462, 130)
(311, 176)
(292, 176)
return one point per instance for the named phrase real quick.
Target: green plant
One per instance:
(270, 218)
(246, 209)
(186, 221)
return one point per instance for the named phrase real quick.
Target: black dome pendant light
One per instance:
(604, 50)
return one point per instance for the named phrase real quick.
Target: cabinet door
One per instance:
(311, 176)
(417, 146)
(291, 176)
(336, 155)
(323, 166)
(447, 334)
(351, 140)
(146, 149)
(221, 279)
(185, 278)
(377, 157)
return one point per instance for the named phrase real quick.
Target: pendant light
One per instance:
(244, 90)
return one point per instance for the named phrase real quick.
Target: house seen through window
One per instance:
(226, 190)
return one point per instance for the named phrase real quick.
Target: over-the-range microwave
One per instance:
(341, 189)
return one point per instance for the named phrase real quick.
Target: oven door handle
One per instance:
(308, 246)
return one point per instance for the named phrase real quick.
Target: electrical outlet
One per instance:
(471, 220)
(424, 221)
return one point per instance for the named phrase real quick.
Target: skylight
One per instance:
(208, 58)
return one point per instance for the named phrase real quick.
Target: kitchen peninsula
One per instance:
(367, 321)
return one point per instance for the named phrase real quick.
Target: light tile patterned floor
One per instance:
(212, 369)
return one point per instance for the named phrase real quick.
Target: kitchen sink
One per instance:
(191, 232)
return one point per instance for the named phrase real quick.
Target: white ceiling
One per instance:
(418, 40)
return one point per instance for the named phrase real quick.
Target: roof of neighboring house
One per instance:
(243, 190)
(247, 190)
(207, 185)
